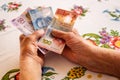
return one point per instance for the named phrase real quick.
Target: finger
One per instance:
(59, 34)
(68, 53)
(37, 34)
(40, 54)
(36, 58)
(75, 31)
(64, 35)
(21, 37)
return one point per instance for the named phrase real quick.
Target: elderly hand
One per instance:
(31, 59)
(81, 51)
(28, 46)
(77, 49)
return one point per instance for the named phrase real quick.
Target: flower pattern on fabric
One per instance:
(105, 39)
(48, 73)
(75, 73)
(89, 76)
(11, 6)
(115, 42)
(114, 14)
(8, 76)
(99, 75)
(2, 25)
(79, 10)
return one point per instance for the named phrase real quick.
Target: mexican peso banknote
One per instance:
(63, 20)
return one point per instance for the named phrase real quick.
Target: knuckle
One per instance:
(21, 37)
(36, 32)
(70, 35)
(28, 38)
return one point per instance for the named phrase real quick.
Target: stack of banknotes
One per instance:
(43, 18)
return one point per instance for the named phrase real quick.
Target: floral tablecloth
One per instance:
(98, 21)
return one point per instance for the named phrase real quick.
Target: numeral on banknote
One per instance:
(21, 20)
(45, 41)
(63, 20)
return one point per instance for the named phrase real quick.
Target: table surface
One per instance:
(100, 16)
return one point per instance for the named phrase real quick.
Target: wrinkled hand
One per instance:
(29, 48)
(77, 49)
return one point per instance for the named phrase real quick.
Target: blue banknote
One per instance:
(64, 21)
(41, 17)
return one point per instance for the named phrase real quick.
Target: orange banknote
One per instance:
(63, 20)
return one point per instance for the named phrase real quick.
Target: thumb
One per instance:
(37, 34)
(61, 34)
(21, 37)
